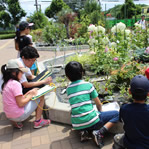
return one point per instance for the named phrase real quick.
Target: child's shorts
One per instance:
(29, 108)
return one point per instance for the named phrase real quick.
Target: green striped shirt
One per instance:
(83, 114)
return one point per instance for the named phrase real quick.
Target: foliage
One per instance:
(53, 32)
(37, 35)
(76, 5)
(7, 36)
(142, 55)
(81, 58)
(113, 54)
(56, 6)
(91, 6)
(91, 12)
(115, 11)
(123, 75)
(39, 19)
(74, 28)
(10, 12)
(129, 9)
(66, 16)
(4, 19)
(107, 56)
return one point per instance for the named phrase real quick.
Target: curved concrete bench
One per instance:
(60, 112)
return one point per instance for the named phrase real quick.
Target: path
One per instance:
(55, 136)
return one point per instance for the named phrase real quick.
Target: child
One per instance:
(19, 107)
(83, 115)
(27, 58)
(21, 39)
(135, 117)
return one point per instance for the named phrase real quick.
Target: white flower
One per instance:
(121, 27)
(92, 28)
(137, 25)
(100, 29)
(105, 40)
(113, 45)
(92, 41)
(113, 29)
(127, 32)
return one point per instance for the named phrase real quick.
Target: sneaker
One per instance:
(41, 123)
(84, 135)
(18, 125)
(98, 138)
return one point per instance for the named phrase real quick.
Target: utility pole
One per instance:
(36, 4)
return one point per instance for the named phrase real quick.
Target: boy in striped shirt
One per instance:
(83, 115)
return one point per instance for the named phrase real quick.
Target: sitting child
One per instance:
(19, 107)
(83, 115)
(135, 117)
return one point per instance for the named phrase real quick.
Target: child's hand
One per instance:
(48, 80)
(32, 92)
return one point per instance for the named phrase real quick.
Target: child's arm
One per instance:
(22, 100)
(16, 45)
(98, 104)
(38, 83)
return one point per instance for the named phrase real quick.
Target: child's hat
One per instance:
(139, 84)
(23, 25)
(14, 63)
(147, 73)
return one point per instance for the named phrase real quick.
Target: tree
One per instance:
(66, 16)
(115, 11)
(10, 12)
(54, 8)
(91, 11)
(91, 6)
(4, 19)
(39, 19)
(129, 9)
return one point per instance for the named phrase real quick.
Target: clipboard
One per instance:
(44, 90)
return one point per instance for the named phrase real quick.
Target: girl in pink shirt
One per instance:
(17, 106)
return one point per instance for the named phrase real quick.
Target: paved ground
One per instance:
(55, 136)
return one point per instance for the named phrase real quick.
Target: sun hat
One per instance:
(139, 85)
(23, 25)
(14, 63)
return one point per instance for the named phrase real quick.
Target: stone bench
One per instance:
(60, 112)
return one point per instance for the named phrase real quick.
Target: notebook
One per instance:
(44, 90)
(43, 75)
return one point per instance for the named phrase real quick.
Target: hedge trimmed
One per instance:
(7, 32)
(7, 36)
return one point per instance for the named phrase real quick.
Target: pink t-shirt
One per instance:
(12, 89)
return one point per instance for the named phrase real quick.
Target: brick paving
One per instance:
(55, 136)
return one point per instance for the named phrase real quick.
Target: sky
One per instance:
(28, 5)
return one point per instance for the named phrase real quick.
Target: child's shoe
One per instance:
(84, 135)
(18, 125)
(98, 138)
(41, 123)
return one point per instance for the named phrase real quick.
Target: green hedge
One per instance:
(7, 32)
(7, 36)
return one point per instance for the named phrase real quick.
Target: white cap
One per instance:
(14, 63)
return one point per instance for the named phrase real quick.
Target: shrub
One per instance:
(53, 33)
(7, 36)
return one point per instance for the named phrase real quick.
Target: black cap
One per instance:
(139, 85)
(23, 25)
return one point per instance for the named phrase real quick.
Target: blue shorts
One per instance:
(107, 116)
(29, 108)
